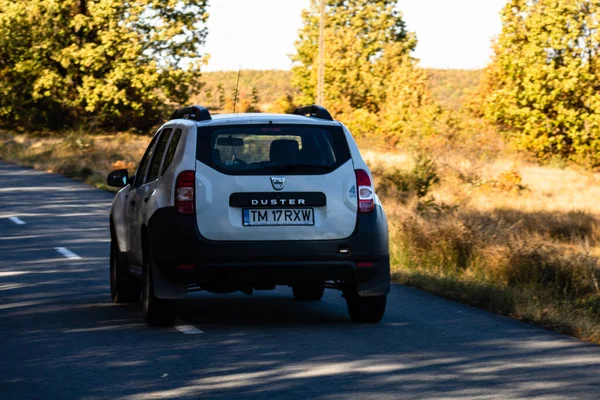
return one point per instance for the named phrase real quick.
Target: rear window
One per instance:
(272, 149)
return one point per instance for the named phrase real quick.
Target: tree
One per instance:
(115, 62)
(209, 98)
(410, 110)
(254, 99)
(231, 104)
(221, 92)
(284, 104)
(365, 40)
(254, 95)
(372, 83)
(543, 85)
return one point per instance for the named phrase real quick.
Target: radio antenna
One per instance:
(237, 86)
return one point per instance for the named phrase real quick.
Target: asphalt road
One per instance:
(61, 337)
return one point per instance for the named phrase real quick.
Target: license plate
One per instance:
(278, 216)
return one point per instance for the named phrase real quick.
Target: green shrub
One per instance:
(403, 184)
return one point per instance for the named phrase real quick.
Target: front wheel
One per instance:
(366, 309)
(157, 312)
(124, 288)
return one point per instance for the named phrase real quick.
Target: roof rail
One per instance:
(195, 113)
(314, 111)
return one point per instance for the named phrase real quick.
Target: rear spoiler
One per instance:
(195, 113)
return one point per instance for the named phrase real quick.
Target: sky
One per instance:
(259, 34)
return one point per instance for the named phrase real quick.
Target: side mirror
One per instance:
(119, 178)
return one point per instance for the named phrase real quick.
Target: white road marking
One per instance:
(22, 304)
(17, 220)
(47, 271)
(67, 253)
(188, 329)
(10, 286)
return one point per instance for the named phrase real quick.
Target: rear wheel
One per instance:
(157, 312)
(366, 309)
(124, 288)
(309, 291)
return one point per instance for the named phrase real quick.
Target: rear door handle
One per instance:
(132, 203)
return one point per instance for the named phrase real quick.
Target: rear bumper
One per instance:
(361, 259)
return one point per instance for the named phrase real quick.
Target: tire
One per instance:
(124, 288)
(157, 312)
(308, 291)
(366, 309)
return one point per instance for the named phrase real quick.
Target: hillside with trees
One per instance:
(263, 88)
(449, 87)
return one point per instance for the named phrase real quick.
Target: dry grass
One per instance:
(505, 235)
(76, 155)
(493, 231)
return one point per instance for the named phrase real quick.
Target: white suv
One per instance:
(243, 202)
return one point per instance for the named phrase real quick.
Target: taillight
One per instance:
(184, 192)
(366, 196)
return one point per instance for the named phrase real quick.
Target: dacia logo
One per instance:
(277, 182)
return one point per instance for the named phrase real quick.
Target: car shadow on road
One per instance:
(261, 308)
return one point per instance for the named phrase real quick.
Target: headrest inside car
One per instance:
(283, 150)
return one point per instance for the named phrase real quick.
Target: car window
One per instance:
(143, 166)
(157, 157)
(272, 149)
(171, 150)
